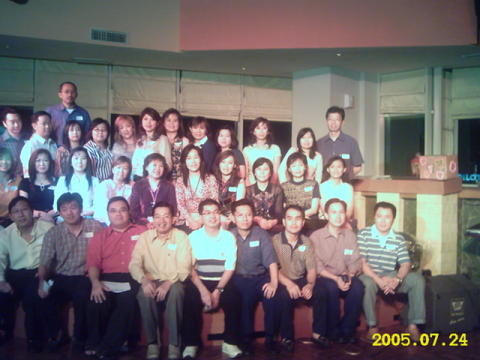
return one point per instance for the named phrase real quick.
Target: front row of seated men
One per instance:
(43, 267)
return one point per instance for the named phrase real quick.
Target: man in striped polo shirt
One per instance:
(214, 251)
(382, 249)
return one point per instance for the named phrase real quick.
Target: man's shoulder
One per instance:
(319, 234)
(44, 226)
(366, 232)
(347, 138)
(56, 107)
(80, 109)
(178, 234)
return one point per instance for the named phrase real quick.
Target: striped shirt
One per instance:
(102, 160)
(213, 255)
(382, 252)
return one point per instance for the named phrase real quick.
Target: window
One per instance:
(469, 150)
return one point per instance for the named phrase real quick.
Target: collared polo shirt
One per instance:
(382, 252)
(60, 116)
(36, 142)
(255, 253)
(162, 259)
(344, 146)
(296, 261)
(110, 251)
(213, 255)
(16, 252)
(336, 255)
(65, 253)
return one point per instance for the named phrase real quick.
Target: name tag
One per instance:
(172, 246)
(150, 219)
(12, 187)
(345, 156)
(52, 187)
(302, 248)
(232, 188)
(89, 234)
(348, 252)
(135, 237)
(79, 118)
(308, 188)
(390, 247)
(254, 243)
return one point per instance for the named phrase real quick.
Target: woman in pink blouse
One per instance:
(193, 186)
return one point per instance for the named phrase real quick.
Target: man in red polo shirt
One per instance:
(111, 308)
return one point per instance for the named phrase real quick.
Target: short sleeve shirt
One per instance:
(294, 262)
(382, 252)
(344, 146)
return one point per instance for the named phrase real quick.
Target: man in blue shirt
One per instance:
(12, 138)
(67, 110)
(256, 273)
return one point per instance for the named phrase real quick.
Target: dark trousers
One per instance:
(287, 305)
(351, 310)
(250, 289)
(110, 322)
(24, 285)
(192, 313)
(76, 289)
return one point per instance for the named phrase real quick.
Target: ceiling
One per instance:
(281, 63)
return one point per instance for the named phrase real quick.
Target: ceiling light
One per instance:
(339, 54)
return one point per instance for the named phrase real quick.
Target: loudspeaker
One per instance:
(452, 304)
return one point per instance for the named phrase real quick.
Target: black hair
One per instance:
(16, 200)
(159, 130)
(9, 110)
(234, 178)
(234, 143)
(66, 129)
(67, 83)
(163, 204)
(257, 122)
(385, 205)
(326, 175)
(335, 110)
(207, 202)
(88, 170)
(243, 202)
(13, 167)
(124, 160)
(301, 133)
(197, 121)
(335, 201)
(181, 129)
(294, 157)
(32, 171)
(37, 115)
(183, 166)
(68, 198)
(294, 207)
(259, 162)
(95, 123)
(118, 198)
(153, 157)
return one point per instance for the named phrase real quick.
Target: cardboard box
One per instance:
(438, 167)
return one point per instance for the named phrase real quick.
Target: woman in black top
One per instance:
(41, 184)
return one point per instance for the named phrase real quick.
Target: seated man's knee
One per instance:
(416, 279)
(176, 290)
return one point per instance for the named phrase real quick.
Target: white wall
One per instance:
(314, 91)
(150, 24)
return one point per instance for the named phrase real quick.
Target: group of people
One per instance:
(185, 222)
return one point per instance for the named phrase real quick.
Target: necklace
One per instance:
(154, 194)
(194, 192)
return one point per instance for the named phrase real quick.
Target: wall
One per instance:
(150, 24)
(277, 24)
(314, 91)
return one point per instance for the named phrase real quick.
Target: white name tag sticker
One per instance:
(135, 237)
(390, 247)
(150, 219)
(12, 187)
(254, 243)
(308, 188)
(232, 188)
(79, 118)
(89, 234)
(348, 252)
(172, 246)
(52, 187)
(345, 156)
(302, 248)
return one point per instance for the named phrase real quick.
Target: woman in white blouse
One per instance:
(306, 145)
(79, 179)
(152, 140)
(119, 185)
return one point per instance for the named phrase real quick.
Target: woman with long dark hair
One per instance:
(72, 138)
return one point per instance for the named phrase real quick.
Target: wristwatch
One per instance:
(400, 280)
(220, 289)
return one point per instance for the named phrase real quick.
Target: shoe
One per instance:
(54, 344)
(412, 329)
(34, 346)
(321, 341)
(271, 345)
(347, 340)
(153, 351)
(371, 331)
(288, 345)
(247, 348)
(232, 351)
(190, 352)
(173, 352)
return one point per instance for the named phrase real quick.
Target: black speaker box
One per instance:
(452, 304)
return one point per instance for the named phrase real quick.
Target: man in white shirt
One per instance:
(20, 247)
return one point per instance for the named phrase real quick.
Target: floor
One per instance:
(304, 350)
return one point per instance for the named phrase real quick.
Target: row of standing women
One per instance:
(171, 165)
